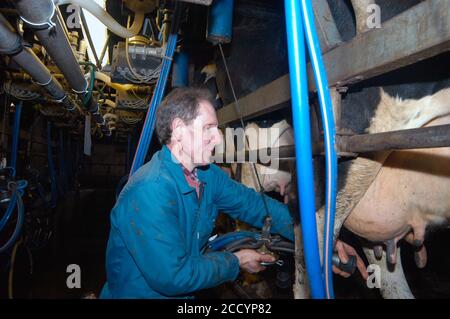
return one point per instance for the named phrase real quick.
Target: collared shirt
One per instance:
(192, 179)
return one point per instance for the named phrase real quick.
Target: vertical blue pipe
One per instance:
(303, 149)
(15, 136)
(180, 70)
(220, 21)
(329, 136)
(149, 124)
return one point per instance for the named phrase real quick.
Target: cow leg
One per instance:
(393, 281)
(300, 288)
(362, 14)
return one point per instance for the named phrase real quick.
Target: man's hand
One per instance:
(344, 250)
(249, 260)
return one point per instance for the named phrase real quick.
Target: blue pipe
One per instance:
(329, 136)
(149, 124)
(180, 70)
(15, 146)
(15, 136)
(9, 211)
(303, 149)
(51, 166)
(220, 21)
(20, 218)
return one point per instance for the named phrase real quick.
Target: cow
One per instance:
(394, 195)
(272, 178)
(382, 197)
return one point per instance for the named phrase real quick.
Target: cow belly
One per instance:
(411, 191)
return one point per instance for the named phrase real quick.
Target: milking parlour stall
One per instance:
(230, 155)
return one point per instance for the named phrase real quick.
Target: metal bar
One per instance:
(271, 97)
(253, 156)
(89, 38)
(418, 33)
(329, 36)
(424, 137)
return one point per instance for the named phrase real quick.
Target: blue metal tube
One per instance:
(15, 136)
(149, 124)
(220, 21)
(329, 136)
(180, 70)
(303, 149)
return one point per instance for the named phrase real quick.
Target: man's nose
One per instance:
(217, 138)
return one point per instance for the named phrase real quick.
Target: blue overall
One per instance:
(159, 228)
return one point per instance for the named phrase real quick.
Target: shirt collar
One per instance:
(176, 168)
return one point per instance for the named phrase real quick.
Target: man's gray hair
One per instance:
(181, 103)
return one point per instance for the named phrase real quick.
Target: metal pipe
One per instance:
(104, 17)
(42, 17)
(350, 145)
(11, 44)
(220, 21)
(180, 70)
(87, 34)
(424, 137)
(15, 136)
(302, 134)
(53, 39)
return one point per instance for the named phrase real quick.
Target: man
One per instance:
(166, 212)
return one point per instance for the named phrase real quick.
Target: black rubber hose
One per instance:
(238, 242)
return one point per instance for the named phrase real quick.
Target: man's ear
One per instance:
(177, 129)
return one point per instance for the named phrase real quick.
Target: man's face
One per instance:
(202, 135)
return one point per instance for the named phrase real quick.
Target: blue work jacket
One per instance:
(159, 228)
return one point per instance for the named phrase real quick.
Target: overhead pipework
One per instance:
(42, 17)
(11, 44)
(105, 18)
